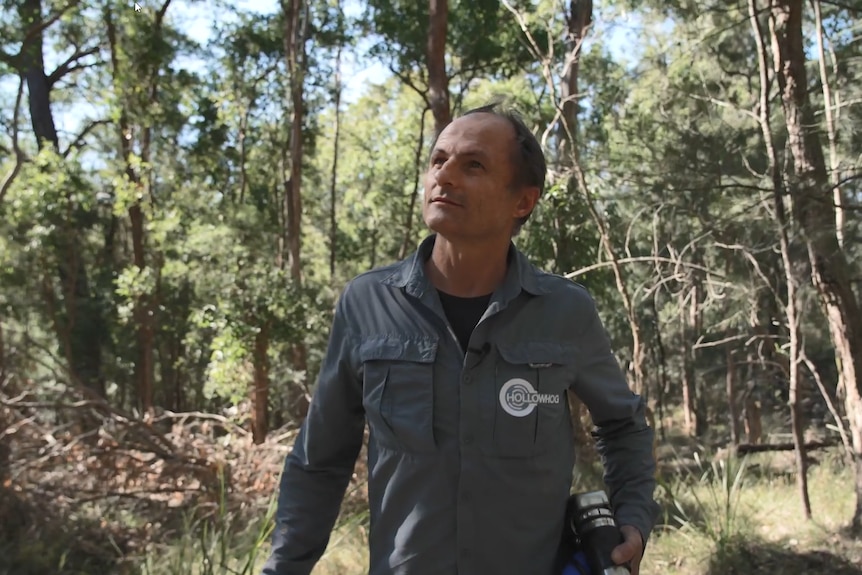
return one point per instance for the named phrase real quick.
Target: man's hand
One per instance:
(630, 550)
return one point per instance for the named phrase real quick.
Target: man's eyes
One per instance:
(471, 164)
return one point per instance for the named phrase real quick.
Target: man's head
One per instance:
(485, 174)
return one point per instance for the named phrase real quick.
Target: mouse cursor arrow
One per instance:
(137, 7)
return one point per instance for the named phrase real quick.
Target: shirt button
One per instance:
(468, 379)
(467, 439)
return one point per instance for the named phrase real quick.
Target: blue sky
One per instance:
(198, 19)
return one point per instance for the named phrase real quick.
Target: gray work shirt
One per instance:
(470, 457)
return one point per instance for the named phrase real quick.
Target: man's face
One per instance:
(468, 193)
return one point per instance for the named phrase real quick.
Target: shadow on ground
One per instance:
(744, 557)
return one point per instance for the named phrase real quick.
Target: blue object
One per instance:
(577, 565)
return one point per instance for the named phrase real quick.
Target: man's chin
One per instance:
(443, 226)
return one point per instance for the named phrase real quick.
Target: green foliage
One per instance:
(708, 501)
(481, 38)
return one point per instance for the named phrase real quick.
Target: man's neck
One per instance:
(467, 270)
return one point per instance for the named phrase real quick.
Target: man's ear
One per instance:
(528, 196)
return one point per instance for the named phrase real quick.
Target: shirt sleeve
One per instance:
(318, 469)
(623, 439)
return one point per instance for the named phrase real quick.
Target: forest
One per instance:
(187, 185)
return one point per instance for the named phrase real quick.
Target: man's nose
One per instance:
(444, 174)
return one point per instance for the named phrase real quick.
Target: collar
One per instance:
(409, 274)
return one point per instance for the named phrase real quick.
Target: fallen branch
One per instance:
(744, 448)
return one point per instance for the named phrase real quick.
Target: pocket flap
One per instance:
(395, 348)
(537, 353)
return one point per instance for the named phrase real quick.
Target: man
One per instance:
(459, 359)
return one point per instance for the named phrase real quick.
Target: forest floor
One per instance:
(723, 519)
(191, 495)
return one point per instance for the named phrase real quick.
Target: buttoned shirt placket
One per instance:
(418, 286)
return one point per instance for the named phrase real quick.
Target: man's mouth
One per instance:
(442, 200)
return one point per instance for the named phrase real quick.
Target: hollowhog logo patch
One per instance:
(518, 397)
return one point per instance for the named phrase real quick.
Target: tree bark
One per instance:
(3, 368)
(579, 18)
(661, 363)
(294, 47)
(296, 33)
(438, 81)
(814, 210)
(831, 133)
(333, 222)
(688, 320)
(33, 70)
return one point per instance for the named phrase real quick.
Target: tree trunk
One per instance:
(81, 326)
(294, 40)
(260, 386)
(3, 367)
(406, 243)
(661, 362)
(438, 81)
(831, 134)
(732, 403)
(586, 455)
(333, 224)
(579, 17)
(689, 387)
(38, 89)
(791, 308)
(296, 32)
(753, 420)
(143, 312)
(814, 210)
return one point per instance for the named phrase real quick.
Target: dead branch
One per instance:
(744, 448)
(644, 259)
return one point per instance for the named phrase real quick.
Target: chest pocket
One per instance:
(398, 391)
(532, 411)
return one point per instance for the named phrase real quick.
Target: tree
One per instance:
(438, 80)
(73, 308)
(813, 207)
(791, 308)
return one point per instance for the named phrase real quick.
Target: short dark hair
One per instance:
(528, 158)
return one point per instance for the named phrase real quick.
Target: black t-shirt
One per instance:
(463, 314)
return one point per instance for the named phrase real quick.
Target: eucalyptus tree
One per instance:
(47, 190)
(814, 208)
(430, 45)
(144, 102)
